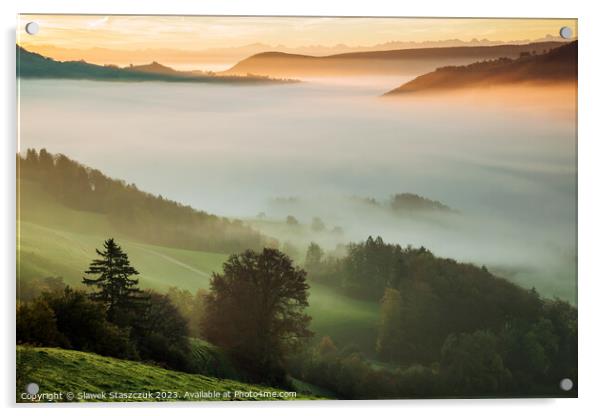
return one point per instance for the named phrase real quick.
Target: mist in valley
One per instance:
(338, 152)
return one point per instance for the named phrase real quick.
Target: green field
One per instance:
(54, 240)
(44, 251)
(58, 370)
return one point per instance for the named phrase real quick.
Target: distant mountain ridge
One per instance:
(34, 65)
(227, 56)
(385, 62)
(557, 65)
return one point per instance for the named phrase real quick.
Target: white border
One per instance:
(590, 205)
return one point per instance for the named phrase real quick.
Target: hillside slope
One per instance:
(391, 62)
(556, 66)
(141, 216)
(57, 240)
(33, 65)
(76, 372)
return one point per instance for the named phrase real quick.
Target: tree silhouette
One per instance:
(115, 287)
(313, 257)
(256, 311)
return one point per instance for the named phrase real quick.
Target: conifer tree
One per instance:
(115, 287)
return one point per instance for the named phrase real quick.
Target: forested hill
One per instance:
(136, 214)
(483, 331)
(386, 62)
(33, 65)
(556, 66)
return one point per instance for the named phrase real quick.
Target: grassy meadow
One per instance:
(55, 370)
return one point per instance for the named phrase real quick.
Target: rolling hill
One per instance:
(58, 240)
(139, 215)
(556, 66)
(109, 379)
(389, 62)
(33, 65)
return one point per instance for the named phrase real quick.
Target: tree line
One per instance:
(138, 214)
(457, 317)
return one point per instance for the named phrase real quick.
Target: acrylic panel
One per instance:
(295, 208)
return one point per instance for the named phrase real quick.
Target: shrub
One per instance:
(68, 319)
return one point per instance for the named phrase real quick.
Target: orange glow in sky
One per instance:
(108, 39)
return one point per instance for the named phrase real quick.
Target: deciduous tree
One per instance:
(255, 310)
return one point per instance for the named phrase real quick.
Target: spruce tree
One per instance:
(115, 287)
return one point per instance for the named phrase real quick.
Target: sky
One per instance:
(196, 39)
